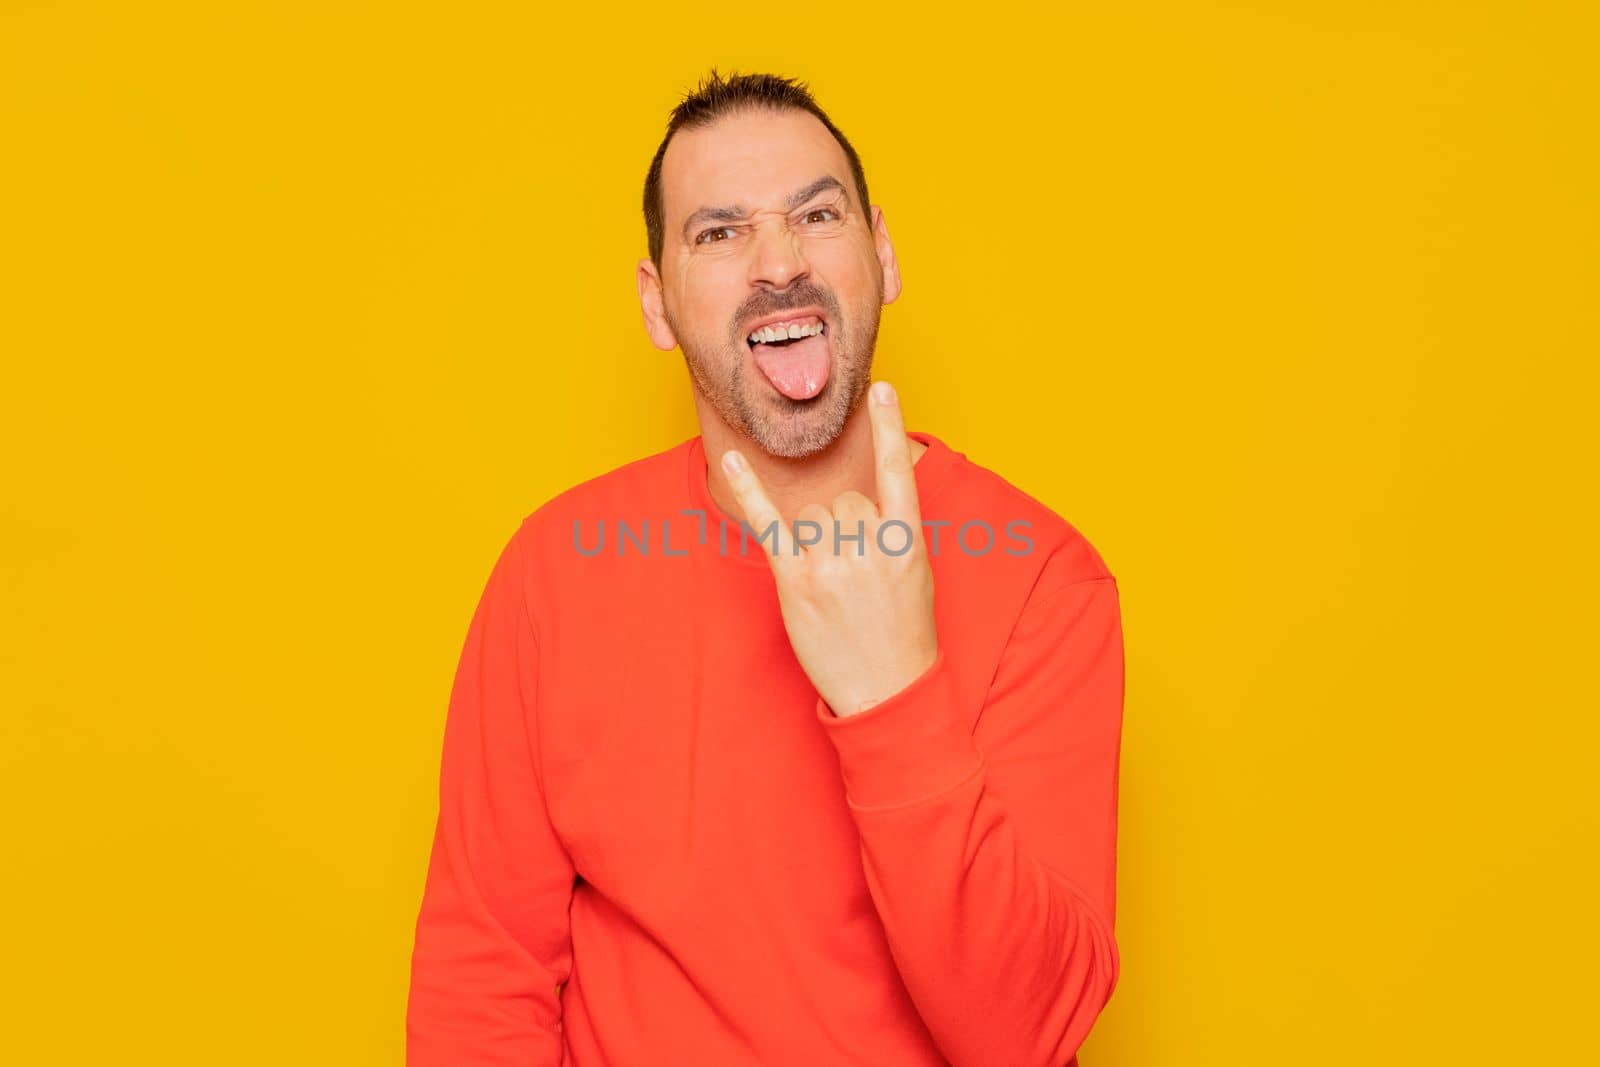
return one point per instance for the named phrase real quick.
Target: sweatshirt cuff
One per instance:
(913, 745)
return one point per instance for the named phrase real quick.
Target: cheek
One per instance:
(708, 295)
(850, 269)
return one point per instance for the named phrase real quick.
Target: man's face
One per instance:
(764, 231)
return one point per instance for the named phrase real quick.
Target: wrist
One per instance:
(866, 700)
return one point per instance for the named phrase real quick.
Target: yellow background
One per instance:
(1290, 308)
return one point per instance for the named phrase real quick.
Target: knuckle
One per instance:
(897, 463)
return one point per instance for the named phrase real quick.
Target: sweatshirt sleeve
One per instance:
(990, 851)
(492, 940)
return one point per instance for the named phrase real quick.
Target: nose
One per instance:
(776, 260)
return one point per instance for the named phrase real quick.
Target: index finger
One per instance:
(759, 510)
(897, 484)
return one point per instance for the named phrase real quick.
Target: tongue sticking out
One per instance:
(798, 369)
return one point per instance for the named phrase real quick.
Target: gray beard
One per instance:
(783, 427)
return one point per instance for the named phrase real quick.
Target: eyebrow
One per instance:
(734, 214)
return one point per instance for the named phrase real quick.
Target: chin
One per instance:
(798, 432)
(788, 428)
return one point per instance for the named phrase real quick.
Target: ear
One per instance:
(885, 250)
(653, 304)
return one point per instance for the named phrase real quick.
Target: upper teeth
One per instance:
(779, 331)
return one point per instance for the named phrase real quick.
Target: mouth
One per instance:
(793, 352)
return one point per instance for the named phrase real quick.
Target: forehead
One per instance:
(752, 159)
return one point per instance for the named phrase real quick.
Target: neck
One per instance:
(791, 484)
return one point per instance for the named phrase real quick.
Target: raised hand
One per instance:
(859, 612)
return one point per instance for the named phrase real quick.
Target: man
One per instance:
(796, 743)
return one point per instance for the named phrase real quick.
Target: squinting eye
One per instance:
(828, 211)
(707, 237)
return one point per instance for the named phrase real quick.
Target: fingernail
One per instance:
(883, 393)
(732, 462)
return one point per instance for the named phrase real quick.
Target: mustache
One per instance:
(767, 302)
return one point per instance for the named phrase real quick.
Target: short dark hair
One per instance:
(717, 96)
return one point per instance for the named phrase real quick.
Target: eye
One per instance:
(821, 214)
(711, 236)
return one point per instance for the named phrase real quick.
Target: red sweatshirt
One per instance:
(657, 845)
